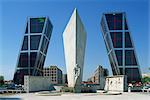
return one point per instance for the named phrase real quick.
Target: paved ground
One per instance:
(85, 96)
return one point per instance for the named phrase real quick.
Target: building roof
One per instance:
(146, 75)
(50, 67)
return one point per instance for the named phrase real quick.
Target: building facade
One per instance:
(99, 76)
(34, 48)
(36, 83)
(65, 80)
(120, 47)
(74, 38)
(54, 73)
(116, 83)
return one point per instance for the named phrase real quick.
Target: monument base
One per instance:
(116, 83)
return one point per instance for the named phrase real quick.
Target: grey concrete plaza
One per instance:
(82, 96)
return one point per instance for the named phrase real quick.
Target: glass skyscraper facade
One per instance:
(34, 48)
(120, 47)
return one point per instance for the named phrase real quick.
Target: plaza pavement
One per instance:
(80, 96)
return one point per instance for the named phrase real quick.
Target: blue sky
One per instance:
(13, 16)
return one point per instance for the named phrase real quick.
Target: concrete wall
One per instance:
(116, 83)
(98, 77)
(102, 83)
(69, 38)
(80, 47)
(36, 83)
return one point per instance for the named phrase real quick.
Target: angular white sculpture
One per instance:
(74, 38)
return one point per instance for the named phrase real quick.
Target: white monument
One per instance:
(116, 83)
(74, 38)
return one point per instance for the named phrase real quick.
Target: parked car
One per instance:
(11, 86)
(146, 88)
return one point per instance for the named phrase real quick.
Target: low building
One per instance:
(99, 76)
(1, 80)
(54, 73)
(65, 80)
(89, 87)
(36, 83)
(116, 83)
(146, 75)
(8, 82)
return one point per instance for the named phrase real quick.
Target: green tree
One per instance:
(145, 79)
(1, 80)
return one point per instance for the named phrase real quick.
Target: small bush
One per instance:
(67, 89)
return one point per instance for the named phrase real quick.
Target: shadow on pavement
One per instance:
(5, 98)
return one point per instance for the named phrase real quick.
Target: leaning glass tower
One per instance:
(34, 48)
(120, 47)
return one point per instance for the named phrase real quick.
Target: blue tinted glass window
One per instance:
(31, 71)
(25, 43)
(121, 71)
(19, 76)
(39, 59)
(133, 74)
(116, 39)
(44, 46)
(23, 60)
(45, 52)
(33, 56)
(26, 28)
(119, 56)
(130, 59)
(114, 21)
(34, 42)
(48, 30)
(126, 26)
(41, 62)
(128, 43)
(36, 25)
